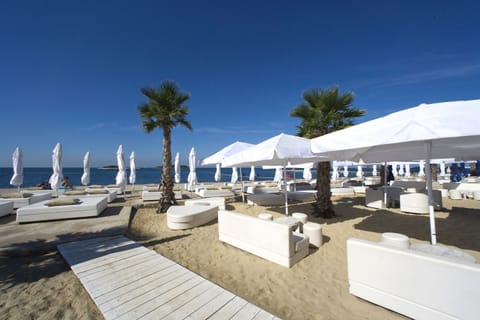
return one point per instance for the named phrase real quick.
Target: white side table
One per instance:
(314, 232)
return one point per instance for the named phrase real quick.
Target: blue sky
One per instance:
(71, 71)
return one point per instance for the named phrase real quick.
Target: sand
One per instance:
(42, 286)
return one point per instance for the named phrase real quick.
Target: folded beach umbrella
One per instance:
(421, 171)
(251, 177)
(121, 178)
(234, 178)
(218, 173)
(57, 175)
(177, 168)
(17, 162)
(374, 170)
(425, 132)
(85, 179)
(307, 173)
(192, 163)
(278, 174)
(133, 174)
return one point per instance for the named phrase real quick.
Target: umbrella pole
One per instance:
(286, 193)
(385, 168)
(433, 233)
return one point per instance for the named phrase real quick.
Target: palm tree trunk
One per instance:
(323, 206)
(167, 198)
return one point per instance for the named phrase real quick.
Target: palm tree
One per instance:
(324, 111)
(165, 110)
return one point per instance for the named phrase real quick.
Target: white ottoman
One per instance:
(302, 218)
(265, 216)
(314, 233)
(396, 240)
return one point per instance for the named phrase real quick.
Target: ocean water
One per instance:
(34, 176)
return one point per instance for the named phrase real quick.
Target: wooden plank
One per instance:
(212, 306)
(229, 309)
(179, 307)
(247, 312)
(190, 305)
(137, 288)
(153, 299)
(129, 281)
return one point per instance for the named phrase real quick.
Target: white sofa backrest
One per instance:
(416, 284)
(264, 234)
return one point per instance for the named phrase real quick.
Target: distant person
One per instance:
(44, 185)
(66, 183)
(390, 176)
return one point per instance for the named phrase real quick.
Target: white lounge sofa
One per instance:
(416, 284)
(111, 195)
(187, 217)
(303, 195)
(6, 207)
(265, 238)
(155, 195)
(40, 211)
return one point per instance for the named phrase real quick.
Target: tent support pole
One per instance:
(428, 171)
(286, 193)
(385, 168)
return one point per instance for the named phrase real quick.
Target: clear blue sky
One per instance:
(71, 71)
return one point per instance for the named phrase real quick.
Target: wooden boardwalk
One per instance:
(129, 281)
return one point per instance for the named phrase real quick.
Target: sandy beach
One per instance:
(41, 285)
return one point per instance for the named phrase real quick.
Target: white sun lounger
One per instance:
(36, 196)
(6, 207)
(186, 217)
(89, 207)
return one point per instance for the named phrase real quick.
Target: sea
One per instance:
(101, 176)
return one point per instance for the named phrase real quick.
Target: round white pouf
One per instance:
(314, 232)
(265, 216)
(302, 218)
(396, 240)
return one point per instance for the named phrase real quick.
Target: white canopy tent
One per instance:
(428, 131)
(281, 150)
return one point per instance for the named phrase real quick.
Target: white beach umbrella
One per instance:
(121, 178)
(251, 177)
(442, 169)
(218, 172)
(17, 163)
(85, 179)
(374, 170)
(133, 174)
(177, 168)
(335, 173)
(278, 174)
(281, 150)
(57, 176)
(234, 175)
(407, 170)
(394, 169)
(421, 165)
(359, 171)
(307, 172)
(345, 171)
(192, 163)
(401, 172)
(428, 131)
